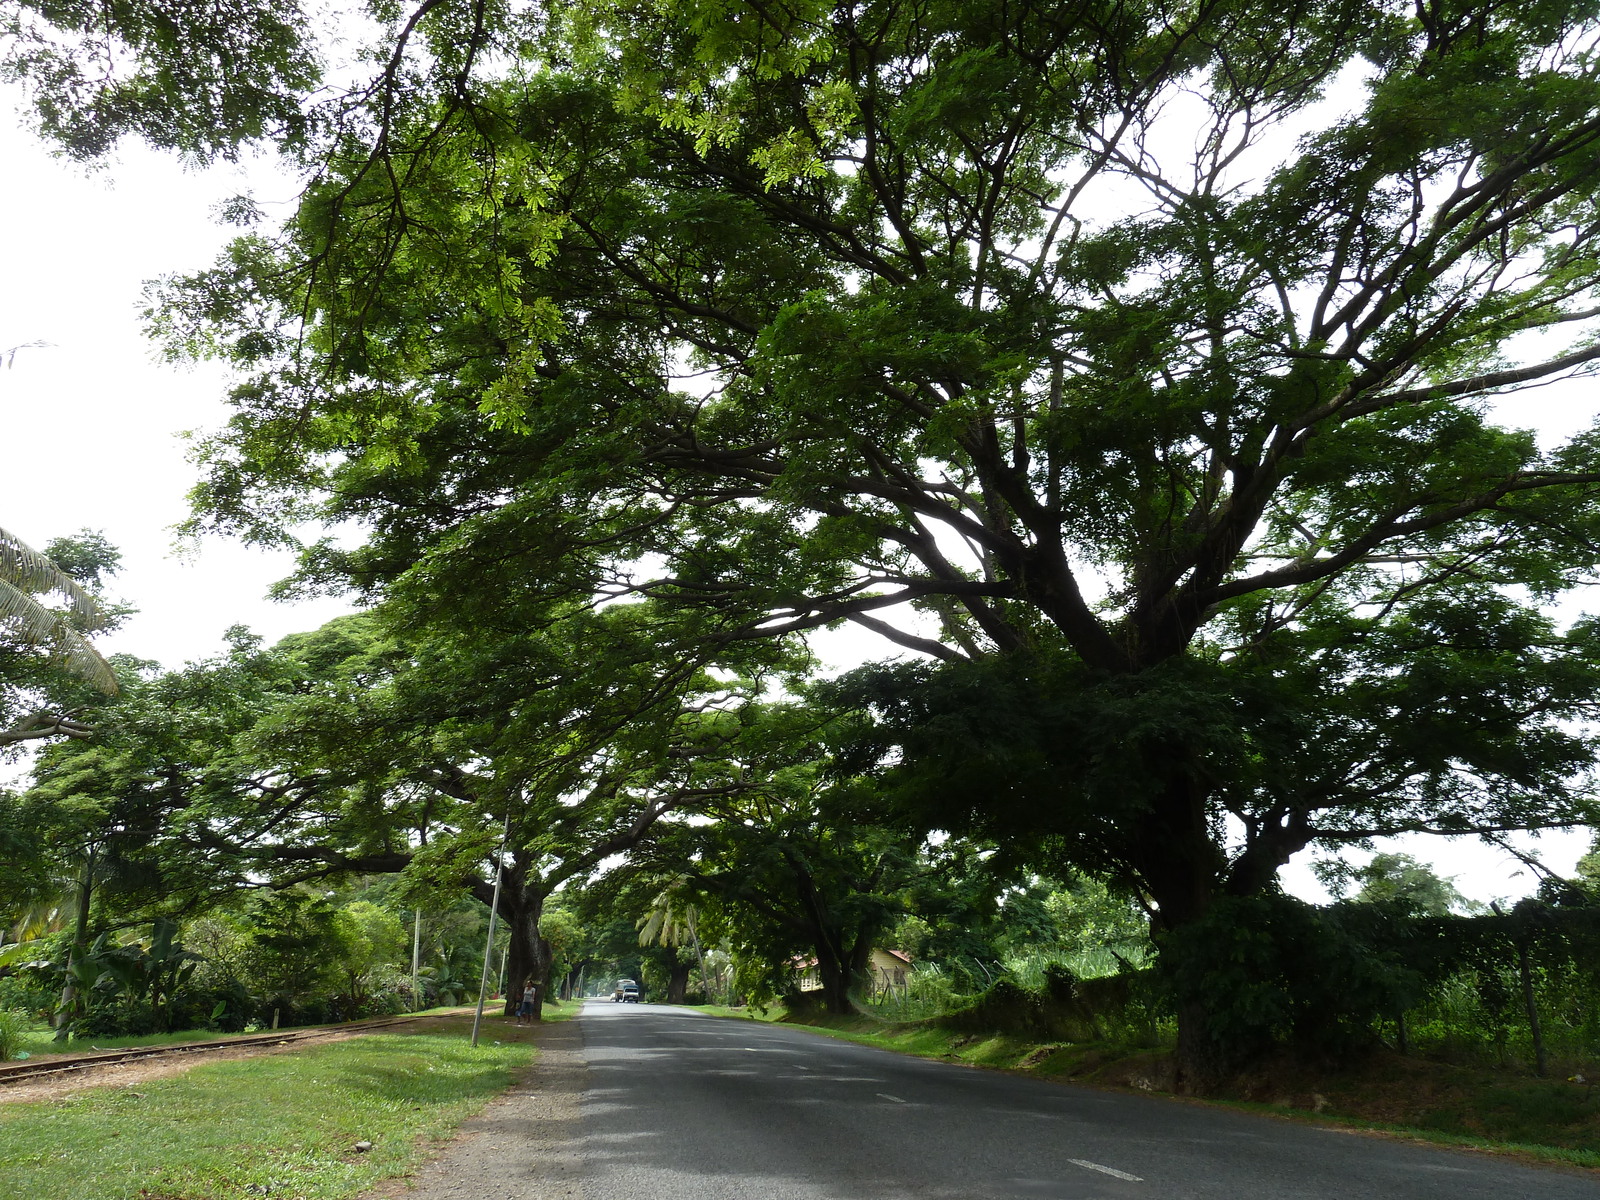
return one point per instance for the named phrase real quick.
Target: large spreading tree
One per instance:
(1157, 352)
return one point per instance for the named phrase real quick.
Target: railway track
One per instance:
(33, 1068)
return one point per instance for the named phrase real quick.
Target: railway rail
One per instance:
(33, 1068)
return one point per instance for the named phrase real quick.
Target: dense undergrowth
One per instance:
(1506, 990)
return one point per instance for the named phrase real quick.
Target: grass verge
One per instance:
(280, 1125)
(742, 1013)
(556, 1010)
(1551, 1120)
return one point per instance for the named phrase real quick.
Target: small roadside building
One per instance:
(887, 971)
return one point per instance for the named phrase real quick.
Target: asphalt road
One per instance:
(680, 1106)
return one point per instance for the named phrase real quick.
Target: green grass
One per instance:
(1515, 1114)
(557, 1010)
(282, 1125)
(42, 1041)
(743, 1012)
(925, 1039)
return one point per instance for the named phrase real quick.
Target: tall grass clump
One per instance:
(14, 1024)
(929, 991)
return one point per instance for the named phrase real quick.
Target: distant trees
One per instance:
(787, 866)
(1588, 870)
(1401, 877)
(353, 751)
(788, 877)
(291, 956)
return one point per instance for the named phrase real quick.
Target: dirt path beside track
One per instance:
(133, 1072)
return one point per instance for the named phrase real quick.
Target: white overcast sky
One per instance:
(90, 425)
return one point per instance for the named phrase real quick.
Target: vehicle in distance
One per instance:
(626, 992)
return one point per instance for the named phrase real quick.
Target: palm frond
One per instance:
(25, 568)
(40, 626)
(670, 920)
(47, 915)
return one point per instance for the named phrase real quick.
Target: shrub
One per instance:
(1272, 970)
(30, 992)
(13, 1024)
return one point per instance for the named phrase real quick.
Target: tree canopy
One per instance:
(193, 77)
(1401, 877)
(48, 667)
(355, 750)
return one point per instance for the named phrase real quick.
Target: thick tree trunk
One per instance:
(678, 981)
(840, 969)
(836, 981)
(522, 909)
(1183, 869)
(1171, 845)
(1201, 1061)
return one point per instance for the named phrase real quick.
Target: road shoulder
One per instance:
(523, 1145)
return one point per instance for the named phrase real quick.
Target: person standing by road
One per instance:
(530, 997)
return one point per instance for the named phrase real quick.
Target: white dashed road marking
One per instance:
(886, 1096)
(1112, 1171)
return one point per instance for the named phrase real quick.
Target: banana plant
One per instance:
(155, 971)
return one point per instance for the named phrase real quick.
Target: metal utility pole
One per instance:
(416, 959)
(494, 913)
